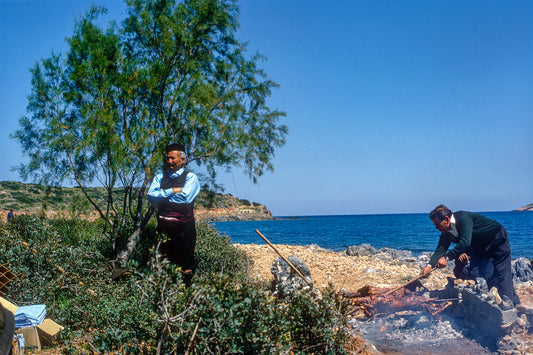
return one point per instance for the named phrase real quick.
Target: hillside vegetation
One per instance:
(70, 202)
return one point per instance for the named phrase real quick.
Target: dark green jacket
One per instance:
(476, 232)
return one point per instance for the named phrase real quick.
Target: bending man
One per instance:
(481, 239)
(174, 192)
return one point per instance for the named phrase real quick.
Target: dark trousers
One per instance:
(477, 266)
(500, 253)
(179, 248)
(494, 265)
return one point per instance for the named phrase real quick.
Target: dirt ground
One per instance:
(342, 271)
(352, 272)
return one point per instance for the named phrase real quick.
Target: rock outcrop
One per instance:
(525, 208)
(240, 213)
(286, 280)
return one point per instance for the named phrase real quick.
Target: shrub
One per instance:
(12, 185)
(317, 327)
(35, 191)
(62, 264)
(244, 202)
(215, 254)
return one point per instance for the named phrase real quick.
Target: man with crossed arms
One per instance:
(174, 192)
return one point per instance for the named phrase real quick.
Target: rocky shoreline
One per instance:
(361, 266)
(247, 213)
(348, 270)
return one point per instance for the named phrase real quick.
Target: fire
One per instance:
(370, 301)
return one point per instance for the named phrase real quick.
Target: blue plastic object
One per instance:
(30, 316)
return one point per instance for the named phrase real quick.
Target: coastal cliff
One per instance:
(243, 213)
(525, 208)
(217, 207)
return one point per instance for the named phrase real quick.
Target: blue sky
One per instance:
(392, 106)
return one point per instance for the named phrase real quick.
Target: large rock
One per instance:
(286, 280)
(361, 250)
(522, 270)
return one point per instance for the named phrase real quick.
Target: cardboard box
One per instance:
(8, 305)
(37, 336)
(47, 330)
(40, 335)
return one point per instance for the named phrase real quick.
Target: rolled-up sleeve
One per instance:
(155, 193)
(188, 193)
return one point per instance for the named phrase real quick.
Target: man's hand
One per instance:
(442, 262)
(426, 270)
(176, 190)
(464, 258)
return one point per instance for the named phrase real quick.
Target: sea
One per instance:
(413, 231)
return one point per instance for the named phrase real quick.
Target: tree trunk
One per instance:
(134, 237)
(125, 253)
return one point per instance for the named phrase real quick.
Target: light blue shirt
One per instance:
(187, 195)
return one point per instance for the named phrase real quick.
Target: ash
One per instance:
(418, 332)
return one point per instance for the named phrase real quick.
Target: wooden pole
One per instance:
(287, 261)
(406, 284)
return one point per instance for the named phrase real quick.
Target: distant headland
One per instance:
(525, 208)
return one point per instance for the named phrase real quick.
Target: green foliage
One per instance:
(316, 328)
(232, 318)
(13, 205)
(223, 312)
(46, 259)
(30, 197)
(245, 202)
(11, 185)
(215, 254)
(206, 198)
(235, 318)
(172, 71)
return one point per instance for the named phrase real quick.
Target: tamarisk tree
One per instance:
(103, 112)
